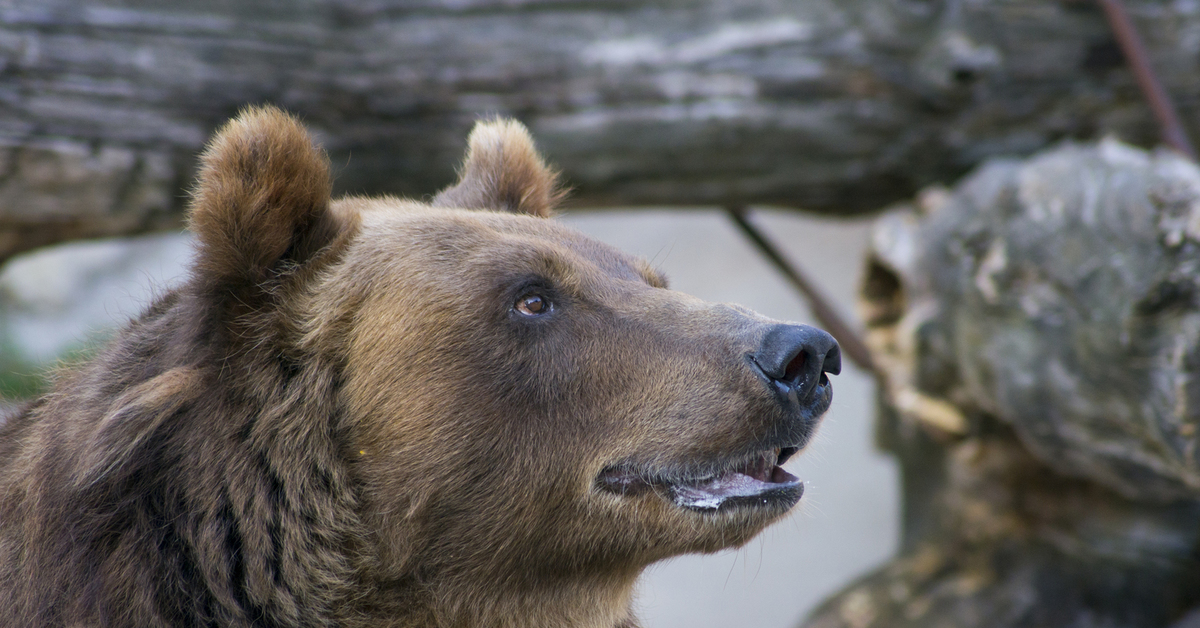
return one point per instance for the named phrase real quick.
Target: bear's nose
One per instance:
(796, 358)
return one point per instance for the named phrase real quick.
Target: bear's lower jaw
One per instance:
(753, 482)
(738, 489)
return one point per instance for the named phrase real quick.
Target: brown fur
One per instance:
(503, 172)
(340, 419)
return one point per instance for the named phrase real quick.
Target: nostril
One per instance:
(794, 372)
(796, 358)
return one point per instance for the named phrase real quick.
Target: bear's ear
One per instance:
(503, 171)
(262, 199)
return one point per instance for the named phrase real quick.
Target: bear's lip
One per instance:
(754, 480)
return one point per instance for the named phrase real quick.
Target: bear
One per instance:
(392, 413)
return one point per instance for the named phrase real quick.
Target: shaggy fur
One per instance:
(345, 418)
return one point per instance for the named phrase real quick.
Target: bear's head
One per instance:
(526, 417)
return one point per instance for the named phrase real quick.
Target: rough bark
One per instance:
(1038, 331)
(836, 106)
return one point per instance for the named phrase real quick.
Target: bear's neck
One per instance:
(582, 602)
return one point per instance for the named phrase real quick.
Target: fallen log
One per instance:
(833, 107)
(1038, 331)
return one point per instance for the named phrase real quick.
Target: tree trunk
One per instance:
(1038, 332)
(833, 106)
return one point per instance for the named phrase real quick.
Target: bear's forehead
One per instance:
(463, 238)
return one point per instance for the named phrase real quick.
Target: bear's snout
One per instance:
(793, 359)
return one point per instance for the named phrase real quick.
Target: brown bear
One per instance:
(381, 412)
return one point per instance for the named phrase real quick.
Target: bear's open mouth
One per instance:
(756, 480)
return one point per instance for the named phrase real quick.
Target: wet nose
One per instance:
(797, 357)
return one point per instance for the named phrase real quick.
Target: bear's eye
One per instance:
(533, 305)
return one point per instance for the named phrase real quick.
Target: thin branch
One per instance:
(1139, 62)
(853, 346)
